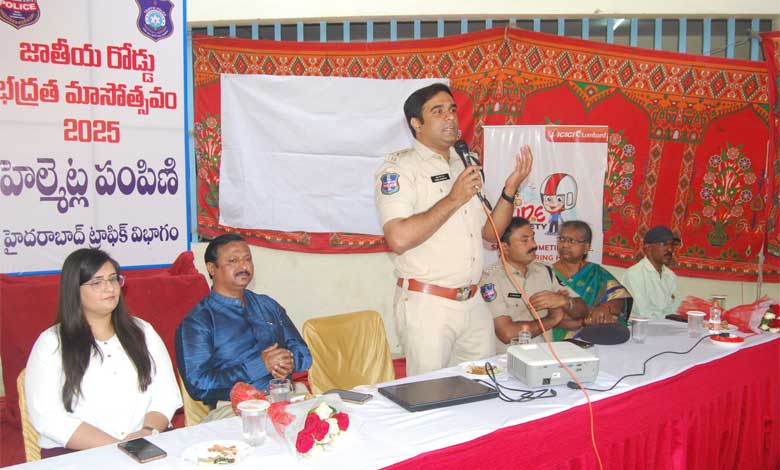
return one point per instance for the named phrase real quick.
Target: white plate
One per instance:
(196, 452)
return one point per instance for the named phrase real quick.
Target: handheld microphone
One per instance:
(462, 149)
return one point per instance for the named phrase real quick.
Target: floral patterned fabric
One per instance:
(688, 143)
(771, 45)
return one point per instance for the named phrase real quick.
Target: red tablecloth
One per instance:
(720, 415)
(28, 305)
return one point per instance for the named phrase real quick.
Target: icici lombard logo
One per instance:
(593, 134)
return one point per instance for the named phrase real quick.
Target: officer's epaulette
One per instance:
(492, 268)
(395, 156)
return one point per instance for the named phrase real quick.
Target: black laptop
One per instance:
(437, 393)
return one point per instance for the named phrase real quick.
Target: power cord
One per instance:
(461, 148)
(575, 386)
(526, 395)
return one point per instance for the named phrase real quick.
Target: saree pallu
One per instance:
(595, 285)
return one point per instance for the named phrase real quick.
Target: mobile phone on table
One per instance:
(351, 396)
(141, 450)
(676, 317)
(580, 342)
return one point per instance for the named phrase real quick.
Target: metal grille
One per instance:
(718, 37)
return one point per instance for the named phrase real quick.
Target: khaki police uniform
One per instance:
(502, 297)
(435, 332)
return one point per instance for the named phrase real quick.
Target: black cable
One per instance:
(573, 385)
(485, 201)
(473, 161)
(526, 395)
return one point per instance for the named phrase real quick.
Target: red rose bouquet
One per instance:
(770, 322)
(310, 426)
(749, 318)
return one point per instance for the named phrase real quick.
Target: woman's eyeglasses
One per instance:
(99, 284)
(570, 241)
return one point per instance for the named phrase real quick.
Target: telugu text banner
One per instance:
(92, 126)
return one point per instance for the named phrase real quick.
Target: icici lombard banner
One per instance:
(92, 131)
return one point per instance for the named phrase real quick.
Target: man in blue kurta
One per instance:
(234, 335)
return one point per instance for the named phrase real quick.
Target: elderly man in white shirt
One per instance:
(652, 284)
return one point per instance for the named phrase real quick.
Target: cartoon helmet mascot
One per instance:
(558, 194)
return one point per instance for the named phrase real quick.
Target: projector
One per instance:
(535, 366)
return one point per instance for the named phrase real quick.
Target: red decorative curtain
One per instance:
(688, 145)
(771, 44)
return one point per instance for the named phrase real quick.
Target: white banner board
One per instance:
(299, 153)
(566, 182)
(93, 132)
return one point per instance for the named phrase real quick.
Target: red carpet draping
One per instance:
(771, 46)
(720, 415)
(28, 305)
(688, 145)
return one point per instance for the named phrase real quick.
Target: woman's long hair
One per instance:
(77, 342)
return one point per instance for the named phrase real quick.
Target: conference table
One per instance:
(711, 408)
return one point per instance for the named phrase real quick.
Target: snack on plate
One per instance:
(477, 369)
(723, 326)
(219, 455)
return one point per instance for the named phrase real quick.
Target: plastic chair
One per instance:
(348, 350)
(32, 450)
(194, 410)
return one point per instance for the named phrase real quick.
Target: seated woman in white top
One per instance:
(99, 375)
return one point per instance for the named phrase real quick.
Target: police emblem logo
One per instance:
(154, 18)
(19, 13)
(390, 184)
(488, 292)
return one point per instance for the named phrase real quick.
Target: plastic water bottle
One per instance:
(715, 311)
(524, 337)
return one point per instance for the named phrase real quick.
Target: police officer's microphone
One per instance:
(462, 149)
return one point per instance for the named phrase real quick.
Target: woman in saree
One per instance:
(608, 300)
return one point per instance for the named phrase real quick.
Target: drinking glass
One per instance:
(254, 414)
(639, 329)
(695, 323)
(280, 389)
